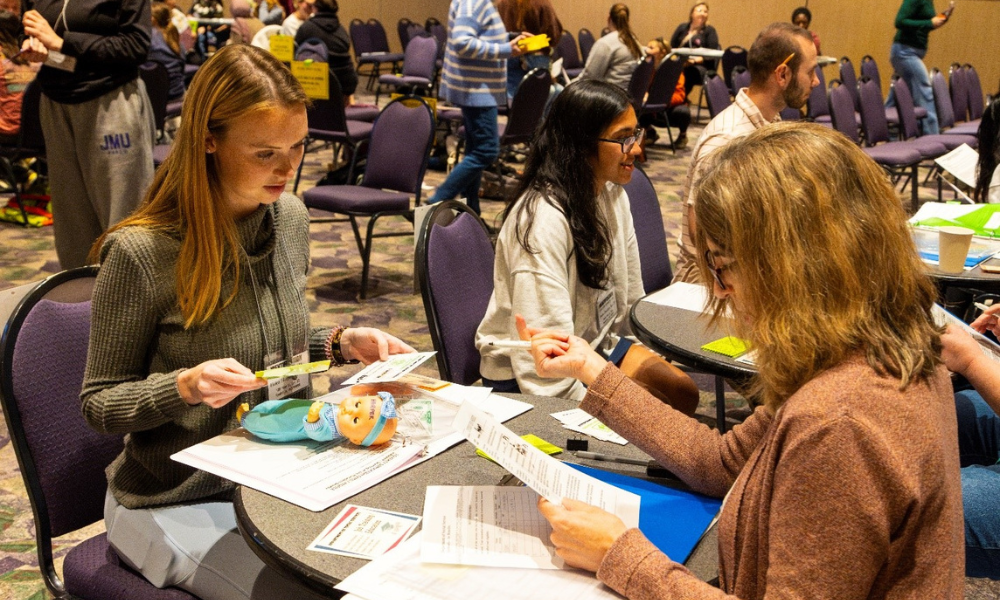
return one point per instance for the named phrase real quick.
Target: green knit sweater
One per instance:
(138, 345)
(913, 23)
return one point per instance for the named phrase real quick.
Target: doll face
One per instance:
(356, 417)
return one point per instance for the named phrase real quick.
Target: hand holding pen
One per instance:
(989, 320)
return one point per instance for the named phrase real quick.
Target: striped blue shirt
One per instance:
(475, 67)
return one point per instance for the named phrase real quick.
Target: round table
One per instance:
(279, 531)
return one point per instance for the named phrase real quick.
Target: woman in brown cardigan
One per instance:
(845, 484)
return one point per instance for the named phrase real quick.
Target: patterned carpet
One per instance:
(27, 255)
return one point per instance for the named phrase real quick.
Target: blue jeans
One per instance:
(908, 63)
(979, 448)
(482, 146)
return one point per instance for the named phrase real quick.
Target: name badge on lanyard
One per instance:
(286, 387)
(607, 309)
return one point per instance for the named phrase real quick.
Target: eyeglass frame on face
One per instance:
(717, 270)
(632, 140)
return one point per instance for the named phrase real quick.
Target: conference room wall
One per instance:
(851, 29)
(389, 12)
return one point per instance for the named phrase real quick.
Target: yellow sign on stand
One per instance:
(431, 102)
(283, 47)
(314, 78)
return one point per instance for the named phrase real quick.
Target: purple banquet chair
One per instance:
(419, 67)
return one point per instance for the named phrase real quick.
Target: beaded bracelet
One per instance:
(333, 347)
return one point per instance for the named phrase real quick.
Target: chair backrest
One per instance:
(313, 49)
(873, 120)
(818, 104)
(440, 33)
(329, 115)
(869, 69)
(43, 352)
(566, 49)
(527, 107)
(959, 92)
(790, 114)
(732, 57)
(740, 79)
(377, 38)
(649, 232)
(586, 40)
(186, 40)
(974, 89)
(665, 80)
(420, 58)
(403, 29)
(849, 79)
(717, 93)
(942, 100)
(262, 39)
(32, 142)
(638, 85)
(157, 81)
(454, 265)
(905, 108)
(399, 146)
(605, 31)
(842, 112)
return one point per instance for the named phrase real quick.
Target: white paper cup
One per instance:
(953, 247)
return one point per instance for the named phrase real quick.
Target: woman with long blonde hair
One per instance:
(201, 287)
(845, 483)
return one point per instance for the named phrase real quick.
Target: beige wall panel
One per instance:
(852, 28)
(391, 11)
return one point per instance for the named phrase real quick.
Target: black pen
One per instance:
(653, 468)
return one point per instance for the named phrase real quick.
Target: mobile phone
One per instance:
(947, 12)
(991, 265)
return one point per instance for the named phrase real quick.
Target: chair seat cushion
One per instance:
(950, 142)
(361, 112)
(400, 80)
(449, 114)
(892, 115)
(380, 57)
(927, 147)
(920, 111)
(355, 199)
(970, 128)
(93, 570)
(356, 130)
(160, 152)
(893, 154)
(573, 73)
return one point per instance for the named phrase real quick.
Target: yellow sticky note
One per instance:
(314, 77)
(535, 441)
(727, 346)
(303, 369)
(283, 47)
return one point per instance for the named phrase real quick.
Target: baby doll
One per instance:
(364, 420)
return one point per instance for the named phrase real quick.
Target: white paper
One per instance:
(989, 349)
(576, 419)
(389, 370)
(549, 477)
(490, 526)
(399, 575)
(313, 475)
(961, 162)
(367, 533)
(687, 296)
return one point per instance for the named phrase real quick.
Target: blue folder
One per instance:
(673, 520)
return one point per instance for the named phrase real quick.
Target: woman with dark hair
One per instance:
(696, 33)
(615, 56)
(988, 170)
(537, 17)
(802, 17)
(165, 48)
(325, 26)
(845, 483)
(677, 114)
(566, 255)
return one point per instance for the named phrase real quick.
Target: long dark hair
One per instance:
(989, 150)
(10, 32)
(559, 171)
(619, 16)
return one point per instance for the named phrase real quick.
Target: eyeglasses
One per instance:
(628, 143)
(716, 269)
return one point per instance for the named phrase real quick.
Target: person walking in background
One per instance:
(616, 55)
(696, 33)
(914, 22)
(803, 17)
(96, 116)
(474, 79)
(538, 17)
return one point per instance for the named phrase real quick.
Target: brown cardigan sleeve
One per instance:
(700, 456)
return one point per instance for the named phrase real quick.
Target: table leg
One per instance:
(720, 403)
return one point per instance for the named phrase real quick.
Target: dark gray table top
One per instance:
(279, 532)
(679, 335)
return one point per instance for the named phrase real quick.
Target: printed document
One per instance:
(389, 370)
(367, 533)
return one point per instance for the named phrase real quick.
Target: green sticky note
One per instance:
(535, 441)
(727, 346)
(293, 370)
